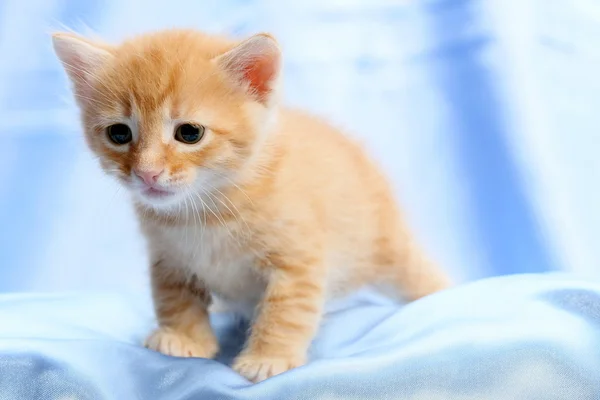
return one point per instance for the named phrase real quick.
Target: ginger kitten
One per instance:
(271, 210)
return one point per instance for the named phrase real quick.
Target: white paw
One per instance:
(257, 368)
(172, 343)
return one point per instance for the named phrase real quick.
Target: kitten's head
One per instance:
(173, 112)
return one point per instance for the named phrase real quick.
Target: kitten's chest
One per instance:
(222, 260)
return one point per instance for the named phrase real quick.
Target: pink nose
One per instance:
(149, 176)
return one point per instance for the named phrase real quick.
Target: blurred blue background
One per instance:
(483, 112)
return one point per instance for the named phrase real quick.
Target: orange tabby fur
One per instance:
(274, 211)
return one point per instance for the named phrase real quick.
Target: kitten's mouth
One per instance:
(155, 193)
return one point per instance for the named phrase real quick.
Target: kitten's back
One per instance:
(325, 175)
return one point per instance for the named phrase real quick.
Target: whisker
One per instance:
(185, 228)
(229, 230)
(218, 217)
(196, 214)
(235, 185)
(237, 215)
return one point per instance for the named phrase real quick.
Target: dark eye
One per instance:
(119, 133)
(189, 134)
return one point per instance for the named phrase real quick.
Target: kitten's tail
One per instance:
(414, 275)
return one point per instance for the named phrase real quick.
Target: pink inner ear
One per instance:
(259, 75)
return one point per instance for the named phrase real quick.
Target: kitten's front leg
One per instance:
(288, 318)
(181, 310)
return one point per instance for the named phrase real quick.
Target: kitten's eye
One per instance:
(189, 134)
(119, 133)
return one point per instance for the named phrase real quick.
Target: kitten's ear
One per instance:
(255, 65)
(80, 58)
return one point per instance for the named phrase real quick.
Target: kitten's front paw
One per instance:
(259, 368)
(173, 343)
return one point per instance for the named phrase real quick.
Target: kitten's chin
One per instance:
(158, 199)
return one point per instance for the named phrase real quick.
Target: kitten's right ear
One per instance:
(80, 58)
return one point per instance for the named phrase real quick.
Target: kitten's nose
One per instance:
(150, 176)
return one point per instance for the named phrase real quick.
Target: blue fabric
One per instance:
(518, 337)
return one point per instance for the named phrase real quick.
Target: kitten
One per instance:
(269, 209)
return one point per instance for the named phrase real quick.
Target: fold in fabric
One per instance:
(518, 337)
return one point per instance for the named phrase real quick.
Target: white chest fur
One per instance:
(221, 260)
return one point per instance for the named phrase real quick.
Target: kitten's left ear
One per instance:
(255, 65)
(80, 58)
